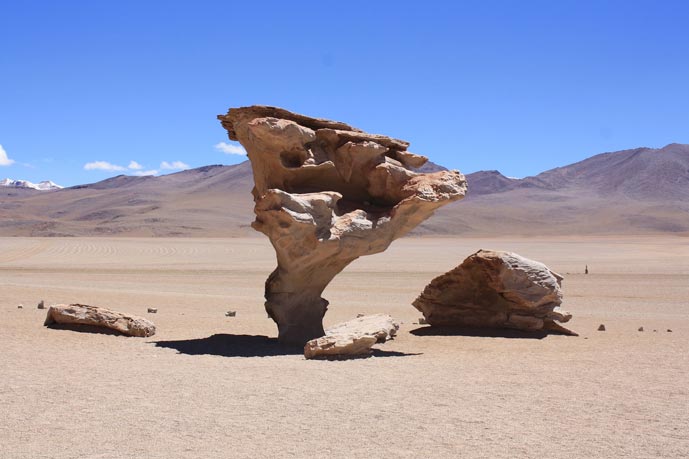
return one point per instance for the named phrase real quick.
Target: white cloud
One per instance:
(103, 166)
(230, 149)
(133, 165)
(4, 160)
(175, 165)
(142, 173)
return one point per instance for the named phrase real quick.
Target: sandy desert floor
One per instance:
(211, 386)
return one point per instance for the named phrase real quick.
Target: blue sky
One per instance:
(518, 86)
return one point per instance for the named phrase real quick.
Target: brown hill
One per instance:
(627, 192)
(208, 201)
(636, 191)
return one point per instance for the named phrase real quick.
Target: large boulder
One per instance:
(492, 289)
(82, 314)
(325, 194)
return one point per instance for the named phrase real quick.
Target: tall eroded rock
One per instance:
(493, 289)
(327, 193)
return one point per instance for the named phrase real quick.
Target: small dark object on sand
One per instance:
(152, 310)
(601, 327)
(231, 313)
(641, 328)
(669, 331)
(41, 305)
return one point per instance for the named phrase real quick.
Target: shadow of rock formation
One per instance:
(483, 332)
(83, 328)
(226, 345)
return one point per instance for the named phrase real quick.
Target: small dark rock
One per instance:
(231, 313)
(641, 328)
(152, 310)
(601, 327)
(669, 331)
(41, 305)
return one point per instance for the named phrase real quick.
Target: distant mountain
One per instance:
(627, 192)
(45, 185)
(208, 201)
(644, 190)
(643, 173)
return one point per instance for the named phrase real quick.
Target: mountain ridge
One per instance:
(635, 191)
(45, 185)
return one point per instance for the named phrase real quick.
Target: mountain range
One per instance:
(637, 191)
(45, 185)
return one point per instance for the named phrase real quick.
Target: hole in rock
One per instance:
(292, 159)
(375, 210)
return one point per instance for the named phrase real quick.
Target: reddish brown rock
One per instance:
(495, 290)
(82, 314)
(325, 194)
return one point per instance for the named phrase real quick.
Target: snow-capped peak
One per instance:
(45, 185)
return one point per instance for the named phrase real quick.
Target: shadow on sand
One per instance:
(481, 332)
(83, 328)
(226, 345)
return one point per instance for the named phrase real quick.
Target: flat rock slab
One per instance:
(353, 338)
(339, 346)
(82, 314)
(382, 326)
(493, 289)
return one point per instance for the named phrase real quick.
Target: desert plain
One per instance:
(207, 385)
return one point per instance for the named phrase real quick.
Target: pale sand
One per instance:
(65, 394)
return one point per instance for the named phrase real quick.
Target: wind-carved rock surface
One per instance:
(493, 289)
(325, 194)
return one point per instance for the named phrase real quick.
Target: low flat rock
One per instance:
(82, 314)
(493, 289)
(339, 346)
(382, 326)
(353, 338)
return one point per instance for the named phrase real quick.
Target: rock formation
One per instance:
(325, 194)
(382, 326)
(82, 314)
(495, 290)
(353, 338)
